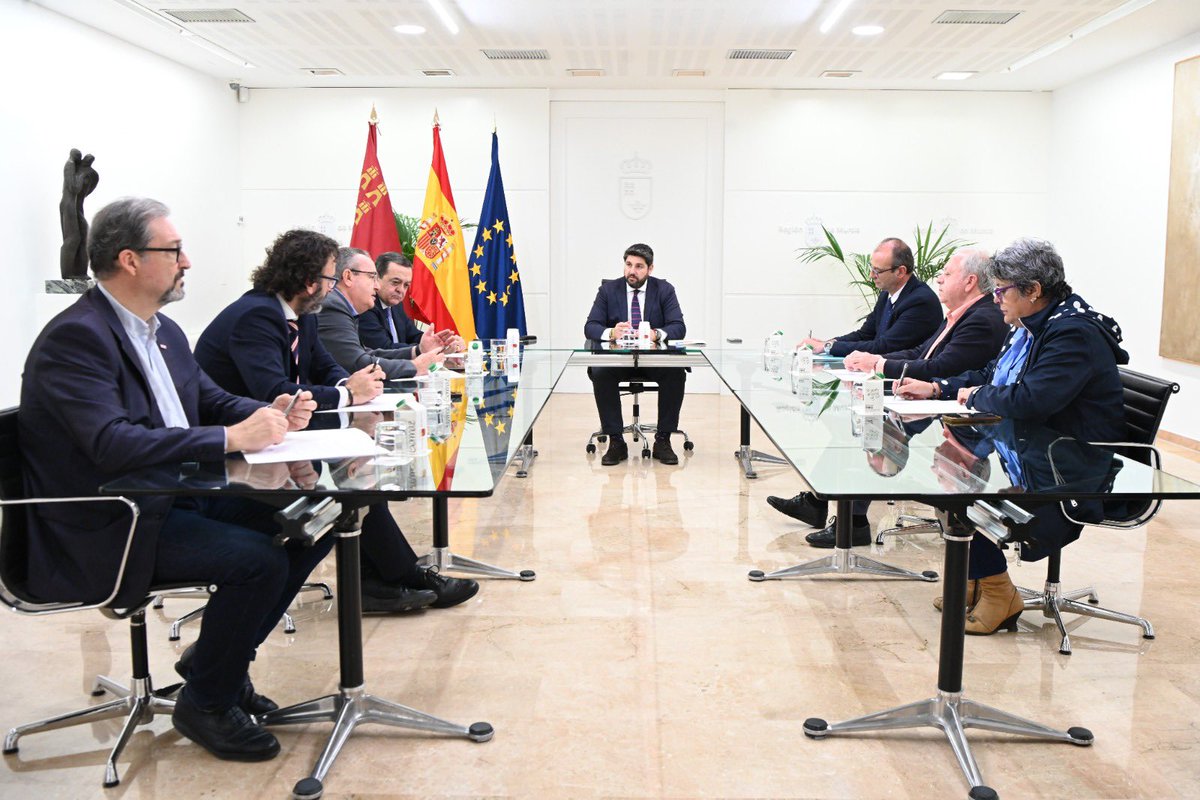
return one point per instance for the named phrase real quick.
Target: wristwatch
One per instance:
(828, 346)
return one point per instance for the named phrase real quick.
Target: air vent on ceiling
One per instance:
(586, 73)
(516, 55)
(745, 54)
(953, 17)
(839, 73)
(324, 71)
(207, 14)
(688, 73)
(438, 73)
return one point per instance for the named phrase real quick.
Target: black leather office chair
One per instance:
(1146, 400)
(643, 431)
(139, 702)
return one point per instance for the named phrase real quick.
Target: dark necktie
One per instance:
(885, 318)
(294, 345)
(635, 311)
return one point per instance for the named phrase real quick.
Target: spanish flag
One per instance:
(441, 287)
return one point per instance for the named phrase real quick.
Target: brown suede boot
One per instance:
(999, 606)
(972, 596)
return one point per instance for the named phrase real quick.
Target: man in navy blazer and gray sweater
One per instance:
(110, 386)
(620, 305)
(906, 313)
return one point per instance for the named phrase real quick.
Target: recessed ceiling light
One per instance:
(411, 30)
(955, 76)
(839, 73)
(688, 73)
(867, 30)
(586, 73)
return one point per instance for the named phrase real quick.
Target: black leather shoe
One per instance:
(229, 734)
(382, 597)
(449, 591)
(248, 700)
(662, 452)
(617, 451)
(860, 535)
(803, 507)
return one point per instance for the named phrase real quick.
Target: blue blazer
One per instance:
(973, 341)
(914, 318)
(87, 416)
(245, 350)
(660, 308)
(373, 328)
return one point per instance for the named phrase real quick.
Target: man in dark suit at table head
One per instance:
(620, 306)
(266, 342)
(906, 312)
(110, 387)
(385, 325)
(968, 338)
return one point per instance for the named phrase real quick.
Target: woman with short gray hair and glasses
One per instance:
(1057, 367)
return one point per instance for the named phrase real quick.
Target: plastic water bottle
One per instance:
(773, 352)
(645, 336)
(513, 341)
(802, 364)
(473, 363)
(872, 392)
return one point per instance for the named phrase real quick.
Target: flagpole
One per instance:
(435, 118)
(374, 117)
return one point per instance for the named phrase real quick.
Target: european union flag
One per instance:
(495, 281)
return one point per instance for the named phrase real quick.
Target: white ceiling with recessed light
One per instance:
(640, 44)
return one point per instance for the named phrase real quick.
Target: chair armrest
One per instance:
(24, 606)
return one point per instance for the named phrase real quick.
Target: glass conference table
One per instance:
(484, 438)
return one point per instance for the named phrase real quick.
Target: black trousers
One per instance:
(605, 386)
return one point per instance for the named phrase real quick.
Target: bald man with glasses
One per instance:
(906, 313)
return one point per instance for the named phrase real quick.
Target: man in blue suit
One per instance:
(620, 306)
(385, 325)
(110, 386)
(266, 342)
(906, 313)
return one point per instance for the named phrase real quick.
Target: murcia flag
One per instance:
(374, 223)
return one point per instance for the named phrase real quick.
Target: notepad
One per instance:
(927, 408)
(316, 446)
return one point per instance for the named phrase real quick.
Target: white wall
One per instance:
(867, 165)
(302, 152)
(1111, 167)
(157, 129)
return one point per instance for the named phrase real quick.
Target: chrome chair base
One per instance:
(139, 704)
(842, 561)
(746, 456)
(909, 523)
(524, 460)
(639, 432)
(952, 715)
(444, 560)
(350, 708)
(1052, 601)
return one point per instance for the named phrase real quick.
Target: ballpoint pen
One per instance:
(900, 380)
(288, 408)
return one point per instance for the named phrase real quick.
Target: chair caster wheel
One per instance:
(689, 446)
(1147, 635)
(815, 728)
(646, 453)
(527, 575)
(602, 438)
(591, 449)
(307, 789)
(1081, 736)
(757, 575)
(8, 751)
(480, 732)
(173, 638)
(111, 784)
(982, 793)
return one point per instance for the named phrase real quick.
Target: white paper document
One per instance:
(927, 408)
(316, 445)
(844, 374)
(689, 343)
(384, 402)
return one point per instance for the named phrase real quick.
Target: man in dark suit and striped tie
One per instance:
(621, 306)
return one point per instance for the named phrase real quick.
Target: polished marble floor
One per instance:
(643, 663)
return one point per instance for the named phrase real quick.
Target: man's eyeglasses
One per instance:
(881, 271)
(177, 249)
(998, 292)
(370, 272)
(331, 278)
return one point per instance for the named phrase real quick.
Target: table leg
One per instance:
(746, 455)
(525, 456)
(843, 560)
(445, 560)
(948, 711)
(352, 705)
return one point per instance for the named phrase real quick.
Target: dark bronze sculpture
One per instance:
(79, 180)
